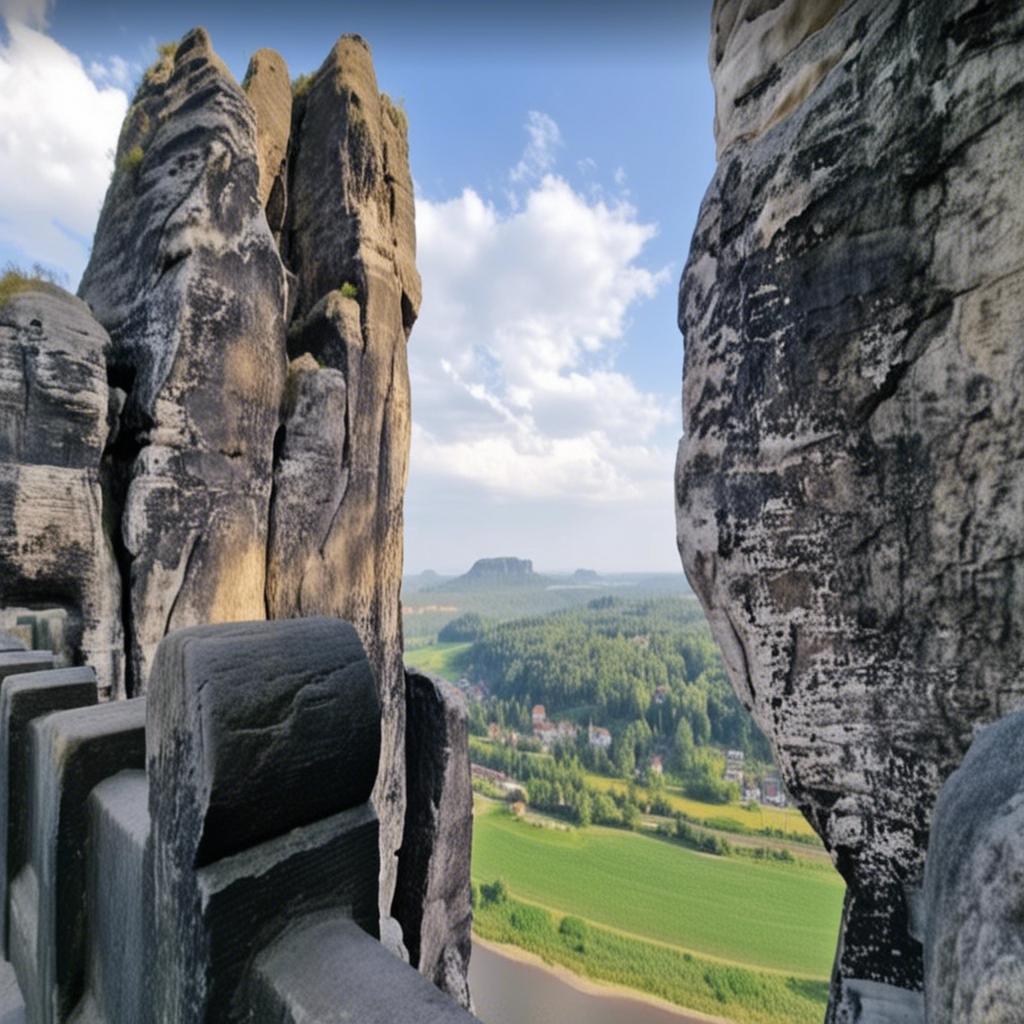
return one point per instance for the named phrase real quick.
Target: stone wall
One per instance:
(206, 853)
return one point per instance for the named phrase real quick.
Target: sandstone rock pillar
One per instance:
(851, 476)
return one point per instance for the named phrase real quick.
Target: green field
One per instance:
(736, 993)
(444, 660)
(770, 916)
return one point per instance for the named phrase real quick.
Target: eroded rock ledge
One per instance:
(235, 445)
(850, 481)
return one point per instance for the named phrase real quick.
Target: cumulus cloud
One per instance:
(513, 358)
(58, 131)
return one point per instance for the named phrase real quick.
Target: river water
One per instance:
(508, 991)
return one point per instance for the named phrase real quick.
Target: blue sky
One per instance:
(560, 152)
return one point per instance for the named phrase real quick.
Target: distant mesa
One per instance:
(499, 572)
(586, 576)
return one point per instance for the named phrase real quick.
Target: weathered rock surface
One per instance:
(350, 240)
(54, 409)
(262, 747)
(973, 901)
(270, 92)
(849, 484)
(186, 277)
(432, 895)
(221, 482)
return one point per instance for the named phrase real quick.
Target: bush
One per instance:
(496, 892)
(130, 161)
(300, 85)
(574, 930)
(349, 290)
(14, 280)
(529, 920)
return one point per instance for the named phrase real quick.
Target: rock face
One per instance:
(973, 903)
(349, 239)
(270, 92)
(186, 278)
(849, 484)
(54, 428)
(432, 896)
(225, 436)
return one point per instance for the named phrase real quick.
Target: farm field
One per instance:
(787, 819)
(768, 916)
(439, 659)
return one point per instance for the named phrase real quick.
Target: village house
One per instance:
(657, 765)
(734, 761)
(598, 736)
(547, 734)
(494, 731)
(539, 715)
(772, 791)
(661, 695)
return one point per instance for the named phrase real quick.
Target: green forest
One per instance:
(648, 669)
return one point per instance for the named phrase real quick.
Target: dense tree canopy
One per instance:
(641, 667)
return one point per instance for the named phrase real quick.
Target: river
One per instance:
(507, 990)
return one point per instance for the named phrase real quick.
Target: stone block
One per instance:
(71, 752)
(208, 929)
(255, 729)
(432, 895)
(18, 662)
(115, 902)
(293, 981)
(24, 698)
(263, 741)
(10, 643)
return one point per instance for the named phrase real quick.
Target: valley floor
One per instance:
(729, 937)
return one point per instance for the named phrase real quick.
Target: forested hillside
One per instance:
(646, 668)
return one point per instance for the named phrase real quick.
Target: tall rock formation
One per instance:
(186, 278)
(55, 406)
(349, 239)
(252, 288)
(851, 476)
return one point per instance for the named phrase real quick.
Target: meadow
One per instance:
(769, 916)
(736, 993)
(444, 660)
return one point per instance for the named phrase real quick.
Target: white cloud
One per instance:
(540, 153)
(117, 71)
(513, 358)
(58, 131)
(25, 12)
